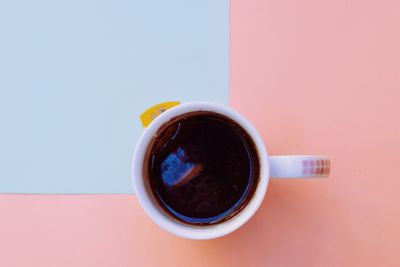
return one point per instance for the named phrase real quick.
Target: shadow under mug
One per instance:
(287, 166)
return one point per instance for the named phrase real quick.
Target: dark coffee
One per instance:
(202, 168)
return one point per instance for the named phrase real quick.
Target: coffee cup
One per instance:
(264, 165)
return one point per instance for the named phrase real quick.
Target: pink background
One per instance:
(320, 77)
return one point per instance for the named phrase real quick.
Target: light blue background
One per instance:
(76, 75)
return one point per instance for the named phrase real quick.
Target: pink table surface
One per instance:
(319, 77)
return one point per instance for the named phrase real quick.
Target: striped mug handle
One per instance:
(299, 166)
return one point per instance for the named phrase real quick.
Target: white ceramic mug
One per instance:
(298, 166)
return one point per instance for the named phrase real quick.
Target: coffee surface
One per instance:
(202, 168)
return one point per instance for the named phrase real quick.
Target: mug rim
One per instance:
(164, 220)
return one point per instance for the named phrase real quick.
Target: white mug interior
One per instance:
(151, 206)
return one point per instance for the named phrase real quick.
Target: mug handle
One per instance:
(299, 166)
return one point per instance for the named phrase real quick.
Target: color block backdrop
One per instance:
(315, 77)
(75, 75)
